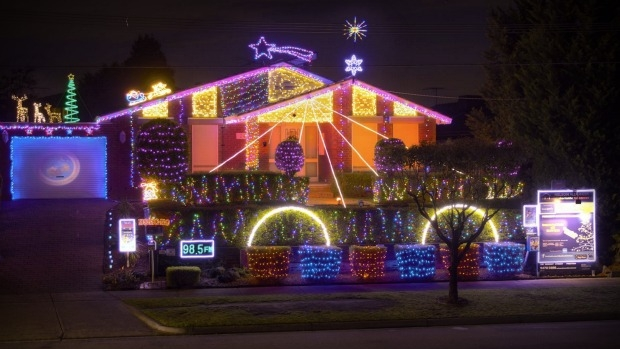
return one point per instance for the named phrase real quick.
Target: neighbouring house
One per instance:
(232, 124)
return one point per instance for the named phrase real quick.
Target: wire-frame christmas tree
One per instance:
(71, 108)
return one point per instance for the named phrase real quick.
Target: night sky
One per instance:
(412, 48)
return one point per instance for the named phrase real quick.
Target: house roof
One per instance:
(329, 86)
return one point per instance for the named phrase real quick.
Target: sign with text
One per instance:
(127, 235)
(197, 249)
(566, 226)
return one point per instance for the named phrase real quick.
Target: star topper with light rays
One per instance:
(353, 65)
(355, 30)
(262, 48)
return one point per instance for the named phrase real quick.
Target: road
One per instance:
(564, 335)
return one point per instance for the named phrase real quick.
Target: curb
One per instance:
(325, 326)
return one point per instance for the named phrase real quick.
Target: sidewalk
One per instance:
(97, 314)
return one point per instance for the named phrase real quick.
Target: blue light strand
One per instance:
(320, 262)
(504, 259)
(416, 262)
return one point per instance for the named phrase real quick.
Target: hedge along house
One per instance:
(237, 123)
(232, 124)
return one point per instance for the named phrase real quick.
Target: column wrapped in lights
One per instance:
(161, 151)
(504, 259)
(252, 151)
(367, 262)
(416, 262)
(268, 262)
(320, 262)
(469, 267)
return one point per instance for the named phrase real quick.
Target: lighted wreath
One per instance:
(290, 156)
(389, 155)
(161, 151)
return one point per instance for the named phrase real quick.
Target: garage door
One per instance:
(57, 167)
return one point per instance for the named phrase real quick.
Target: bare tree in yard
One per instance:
(461, 174)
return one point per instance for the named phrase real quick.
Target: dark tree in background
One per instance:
(552, 87)
(104, 91)
(162, 151)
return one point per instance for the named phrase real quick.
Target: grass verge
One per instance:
(375, 306)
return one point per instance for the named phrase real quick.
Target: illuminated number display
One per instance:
(197, 249)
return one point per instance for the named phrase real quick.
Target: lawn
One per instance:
(219, 311)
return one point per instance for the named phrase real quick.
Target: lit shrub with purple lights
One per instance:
(416, 262)
(390, 155)
(320, 262)
(289, 156)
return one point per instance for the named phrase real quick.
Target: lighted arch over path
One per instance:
(476, 210)
(289, 208)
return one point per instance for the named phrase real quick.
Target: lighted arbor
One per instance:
(289, 156)
(450, 183)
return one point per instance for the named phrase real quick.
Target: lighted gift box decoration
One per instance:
(416, 262)
(320, 262)
(268, 262)
(367, 262)
(469, 267)
(504, 259)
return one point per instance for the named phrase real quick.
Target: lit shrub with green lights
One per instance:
(228, 188)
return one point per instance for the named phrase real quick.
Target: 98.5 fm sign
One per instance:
(197, 249)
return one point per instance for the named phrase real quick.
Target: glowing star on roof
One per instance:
(262, 48)
(353, 65)
(355, 30)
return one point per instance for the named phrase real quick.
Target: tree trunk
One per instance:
(453, 291)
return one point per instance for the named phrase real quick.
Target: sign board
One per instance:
(566, 226)
(197, 249)
(127, 235)
(530, 216)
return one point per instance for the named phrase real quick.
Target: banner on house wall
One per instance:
(566, 226)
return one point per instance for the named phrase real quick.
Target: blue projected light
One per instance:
(58, 167)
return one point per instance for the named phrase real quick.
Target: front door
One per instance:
(309, 142)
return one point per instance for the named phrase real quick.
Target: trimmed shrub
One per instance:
(416, 262)
(469, 267)
(504, 259)
(269, 262)
(122, 279)
(354, 184)
(320, 262)
(367, 262)
(182, 277)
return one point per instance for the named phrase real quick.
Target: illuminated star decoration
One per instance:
(355, 30)
(262, 48)
(353, 65)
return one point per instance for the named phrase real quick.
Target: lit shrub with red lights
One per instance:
(367, 262)
(469, 267)
(268, 262)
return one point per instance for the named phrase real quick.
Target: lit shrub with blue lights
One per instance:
(416, 262)
(320, 262)
(504, 259)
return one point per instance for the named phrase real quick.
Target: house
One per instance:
(232, 124)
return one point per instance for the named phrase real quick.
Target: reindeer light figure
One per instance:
(53, 115)
(38, 116)
(22, 112)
